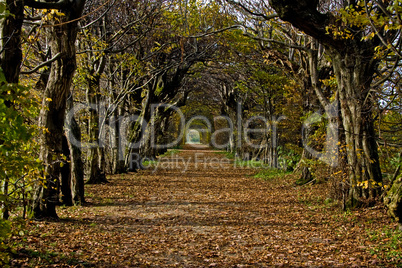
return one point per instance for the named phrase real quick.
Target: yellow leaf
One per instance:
(366, 184)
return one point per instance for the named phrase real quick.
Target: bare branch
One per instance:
(377, 32)
(266, 17)
(258, 38)
(42, 64)
(217, 31)
(101, 16)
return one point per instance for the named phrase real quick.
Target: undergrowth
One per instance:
(270, 173)
(152, 162)
(387, 244)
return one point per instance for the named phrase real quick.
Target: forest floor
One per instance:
(196, 210)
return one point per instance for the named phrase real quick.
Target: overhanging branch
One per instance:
(258, 38)
(42, 64)
(303, 14)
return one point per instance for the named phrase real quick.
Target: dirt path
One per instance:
(197, 210)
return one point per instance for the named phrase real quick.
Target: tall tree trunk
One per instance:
(354, 75)
(61, 39)
(116, 123)
(136, 137)
(117, 147)
(73, 133)
(65, 174)
(95, 174)
(10, 41)
(393, 200)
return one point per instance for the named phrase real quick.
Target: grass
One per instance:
(31, 258)
(149, 163)
(270, 173)
(170, 152)
(387, 244)
(251, 164)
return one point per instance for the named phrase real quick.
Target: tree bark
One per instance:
(61, 40)
(354, 64)
(393, 201)
(95, 174)
(73, 133)
(138, 137)
(354, 75)
(65, 173)
(10, 41)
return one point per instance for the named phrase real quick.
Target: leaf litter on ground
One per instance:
(211, 215)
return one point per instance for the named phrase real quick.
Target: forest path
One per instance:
(196, 210)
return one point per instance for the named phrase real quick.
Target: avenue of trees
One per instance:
(85, 85)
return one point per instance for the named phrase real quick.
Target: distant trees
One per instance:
(106, 80)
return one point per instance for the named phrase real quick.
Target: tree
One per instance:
(10, 57)
(11, 54)
(62, 34)
(354, 64)
(108, 47)
(172, 49)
